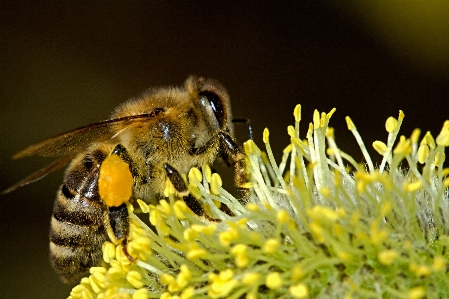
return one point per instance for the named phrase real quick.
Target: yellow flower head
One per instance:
(314, 223)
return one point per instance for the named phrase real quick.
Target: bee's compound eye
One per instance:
(216, 104)
(115, 181)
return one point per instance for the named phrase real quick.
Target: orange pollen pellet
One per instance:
(115, 181)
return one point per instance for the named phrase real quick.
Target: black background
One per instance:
(64, 65)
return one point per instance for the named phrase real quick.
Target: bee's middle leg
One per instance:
(178, 182)
(176, 179)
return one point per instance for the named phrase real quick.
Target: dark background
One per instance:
(64, 65)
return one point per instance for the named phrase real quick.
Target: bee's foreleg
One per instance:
(234, 156)
(231, 153)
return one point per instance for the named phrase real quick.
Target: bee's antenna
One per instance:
(247, 122)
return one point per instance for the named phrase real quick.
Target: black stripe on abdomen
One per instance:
(67, 234)
(74, 208)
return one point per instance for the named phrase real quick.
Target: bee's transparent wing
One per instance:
(37, 175)
(79, 139)
(69, 144)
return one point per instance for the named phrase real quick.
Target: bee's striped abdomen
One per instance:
(77, 231)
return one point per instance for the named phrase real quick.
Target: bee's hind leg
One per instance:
(116, 222)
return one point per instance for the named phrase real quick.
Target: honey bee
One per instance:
(159, 135)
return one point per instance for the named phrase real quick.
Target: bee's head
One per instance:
(213, 102)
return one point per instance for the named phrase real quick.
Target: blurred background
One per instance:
(65, 65)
